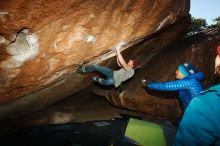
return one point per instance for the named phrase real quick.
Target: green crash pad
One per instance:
(145, 133)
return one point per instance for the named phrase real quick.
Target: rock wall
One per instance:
(44, 42)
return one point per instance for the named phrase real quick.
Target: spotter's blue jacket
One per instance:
(188, 87)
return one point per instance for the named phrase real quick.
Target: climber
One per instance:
(113, 77)
(188, 83)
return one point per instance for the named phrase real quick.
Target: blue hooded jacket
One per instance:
(188, 87)
(200, 125)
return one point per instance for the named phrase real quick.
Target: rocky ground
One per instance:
(81, 107)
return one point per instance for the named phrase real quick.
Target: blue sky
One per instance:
(206, 9)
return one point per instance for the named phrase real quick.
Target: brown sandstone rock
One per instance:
(63, 34)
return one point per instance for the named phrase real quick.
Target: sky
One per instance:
(206, 9)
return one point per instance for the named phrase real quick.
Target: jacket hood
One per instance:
(213, 88)
(198, 76)
(216, 87)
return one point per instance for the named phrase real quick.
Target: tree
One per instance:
(197, 24)
(217, 20)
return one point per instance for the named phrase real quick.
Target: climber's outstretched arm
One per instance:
(121, 60)
(118, 62)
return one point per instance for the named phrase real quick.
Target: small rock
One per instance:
(61, 118)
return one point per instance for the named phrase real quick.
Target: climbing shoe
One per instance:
(81, 69)
(96, 79)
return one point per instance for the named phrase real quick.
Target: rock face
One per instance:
(44, 42)
(199, 50)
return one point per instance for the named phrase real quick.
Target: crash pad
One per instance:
(145, 133)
